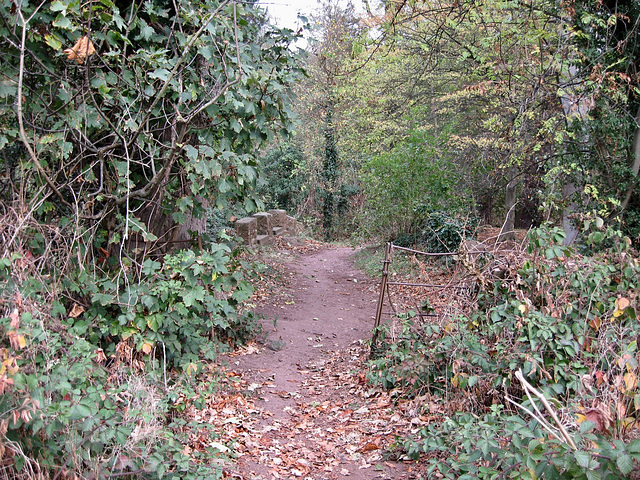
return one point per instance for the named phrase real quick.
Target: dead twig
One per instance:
(531, 390)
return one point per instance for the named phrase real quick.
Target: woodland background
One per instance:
(133, 133)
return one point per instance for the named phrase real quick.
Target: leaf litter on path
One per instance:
(338, 427)
(305, 410)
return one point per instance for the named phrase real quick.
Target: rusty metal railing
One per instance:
(385, 283)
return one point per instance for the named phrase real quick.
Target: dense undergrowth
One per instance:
(98, 365)
(539, 379)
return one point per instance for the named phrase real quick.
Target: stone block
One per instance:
(293, 226)
(265, 225)
(277, 231)
(264, 239)
(279, 217)
(246, 228)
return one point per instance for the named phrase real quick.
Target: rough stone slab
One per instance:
(293, 241)
(279, 217)
(264, 239)
(293, 226)
(277, 231)
(265, 226)
(246, 228)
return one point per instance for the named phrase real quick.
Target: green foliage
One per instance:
(330, 173)
(414, 175)
(74, 395)
(284, 182)
(161, 122)
(438, 232)
(177, 310)
(501, 444)
(112, 158)
(631, 223)
(569, 323)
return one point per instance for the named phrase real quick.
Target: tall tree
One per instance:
(321, 104)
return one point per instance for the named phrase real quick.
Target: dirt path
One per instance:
(317, 419)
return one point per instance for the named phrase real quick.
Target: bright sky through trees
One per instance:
(285, 12)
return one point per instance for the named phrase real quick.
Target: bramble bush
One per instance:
(88, 385)
(185, 304)
(437, 231)
(569, 323)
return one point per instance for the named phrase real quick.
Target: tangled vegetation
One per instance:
(540, 378)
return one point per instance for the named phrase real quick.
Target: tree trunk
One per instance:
(507, 232)
(572, 232)
(572, 109)
(635, 165)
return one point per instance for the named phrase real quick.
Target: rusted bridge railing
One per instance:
(385, 283)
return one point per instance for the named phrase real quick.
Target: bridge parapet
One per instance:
(261, 228)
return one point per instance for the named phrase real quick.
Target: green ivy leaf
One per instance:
(58, 6)
(191, 152)
(53, 42)
(160, 73)
(102, 299)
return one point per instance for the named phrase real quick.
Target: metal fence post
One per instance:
(383, 288)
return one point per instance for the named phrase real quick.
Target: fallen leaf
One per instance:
(219, 446)
(621, 304)
(369, 446)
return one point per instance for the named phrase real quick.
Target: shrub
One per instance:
(178, 310)
(88, 384)
(440, 232)
(569, 323)
(415, 173)
(283, 182)
(66, 408)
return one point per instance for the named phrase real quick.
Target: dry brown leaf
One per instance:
(620, 305)
(598, 416)
(630, 381)
(15, 318)
(82, 49)
(16, 340)
(76, 311)
(100, 356)
(369, 446)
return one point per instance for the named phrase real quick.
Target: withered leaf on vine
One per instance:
(82, 49)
